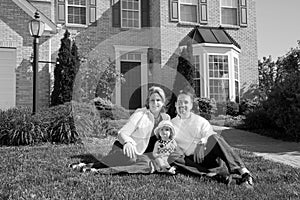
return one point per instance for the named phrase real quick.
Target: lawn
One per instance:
(41, 172)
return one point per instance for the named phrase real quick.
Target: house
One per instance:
(144, 39)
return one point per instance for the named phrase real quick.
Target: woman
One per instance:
(204, 151)
(132, 152)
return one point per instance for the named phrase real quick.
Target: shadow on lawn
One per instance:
(88, 158)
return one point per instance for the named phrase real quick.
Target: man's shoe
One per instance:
(247, 181)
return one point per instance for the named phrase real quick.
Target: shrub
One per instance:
(206, 107)
(258, 119)
(19, 127)
(248, 105)
(227, 108)
(283, 105)
(59, 124)
(88, 121)
(102, 103)
(108, 110)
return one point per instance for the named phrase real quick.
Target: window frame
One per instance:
(231, 7)
(62, 15)
(77, 6)
(180, 2)
(139, 15)
(197, 65)
(218, 78)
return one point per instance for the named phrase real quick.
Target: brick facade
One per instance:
(99, 40)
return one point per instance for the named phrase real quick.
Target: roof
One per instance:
(209, 35)
(30, 10)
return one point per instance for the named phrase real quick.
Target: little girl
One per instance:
(164, 146)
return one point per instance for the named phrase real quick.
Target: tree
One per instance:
(65, 71)
(184, 77)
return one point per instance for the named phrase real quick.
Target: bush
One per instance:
(108, 110)
(227, 108)
(66, 123)
(19, 127)
(259, 119)
(283, 105)
(248, 105)
(88, 121)
(206, 107)
(102, 103)
(59, 124)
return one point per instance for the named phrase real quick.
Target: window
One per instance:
(236, 80)
(188, 11)
(218, 77)
(197, 78)
(130, 13)
(191, 11)
(76, 12)
(229, 12)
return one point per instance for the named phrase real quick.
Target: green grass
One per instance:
(41, 172)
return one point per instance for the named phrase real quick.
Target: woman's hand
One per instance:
(129, 150)
(199, 153)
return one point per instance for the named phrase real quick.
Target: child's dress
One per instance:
(162, 150)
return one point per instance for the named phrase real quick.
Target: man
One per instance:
(205, 152)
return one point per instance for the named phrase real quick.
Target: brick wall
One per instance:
(14, 33)
(173, 32)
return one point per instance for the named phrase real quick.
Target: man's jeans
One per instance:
(219, 158)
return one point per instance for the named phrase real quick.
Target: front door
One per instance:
(131, 89)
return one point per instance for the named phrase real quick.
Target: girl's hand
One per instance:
(129, 150)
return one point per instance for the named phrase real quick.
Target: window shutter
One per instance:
(174, 10)
(92, 11)
(145, 13)
(116, 13)
(203, 11)
(243, 13)
(61, 11)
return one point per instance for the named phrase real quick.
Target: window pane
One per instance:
(197, 87)
(188, 13)
(130, 14)
(229, 16)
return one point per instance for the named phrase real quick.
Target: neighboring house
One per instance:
(143, 37)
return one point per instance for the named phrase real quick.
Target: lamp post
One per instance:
(36, 29)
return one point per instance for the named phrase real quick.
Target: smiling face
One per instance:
(155, 103)
(184, 105)
(165, 133)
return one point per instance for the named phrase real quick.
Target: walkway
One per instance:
(269, 148)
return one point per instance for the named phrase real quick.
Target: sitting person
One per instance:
(132, 152)
(205, 152)
(164, 146)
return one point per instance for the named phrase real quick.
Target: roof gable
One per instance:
(30, 10)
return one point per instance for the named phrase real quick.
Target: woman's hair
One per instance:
(153, 90)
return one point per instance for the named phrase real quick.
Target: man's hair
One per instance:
(189, 91)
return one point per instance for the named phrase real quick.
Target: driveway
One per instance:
(269, 148)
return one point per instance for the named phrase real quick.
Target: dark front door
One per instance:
(131, 89)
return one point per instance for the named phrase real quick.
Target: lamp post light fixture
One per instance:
(36, 29)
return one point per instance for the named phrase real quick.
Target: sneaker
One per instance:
(223, 178)
(247, 180)
(171, 170)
